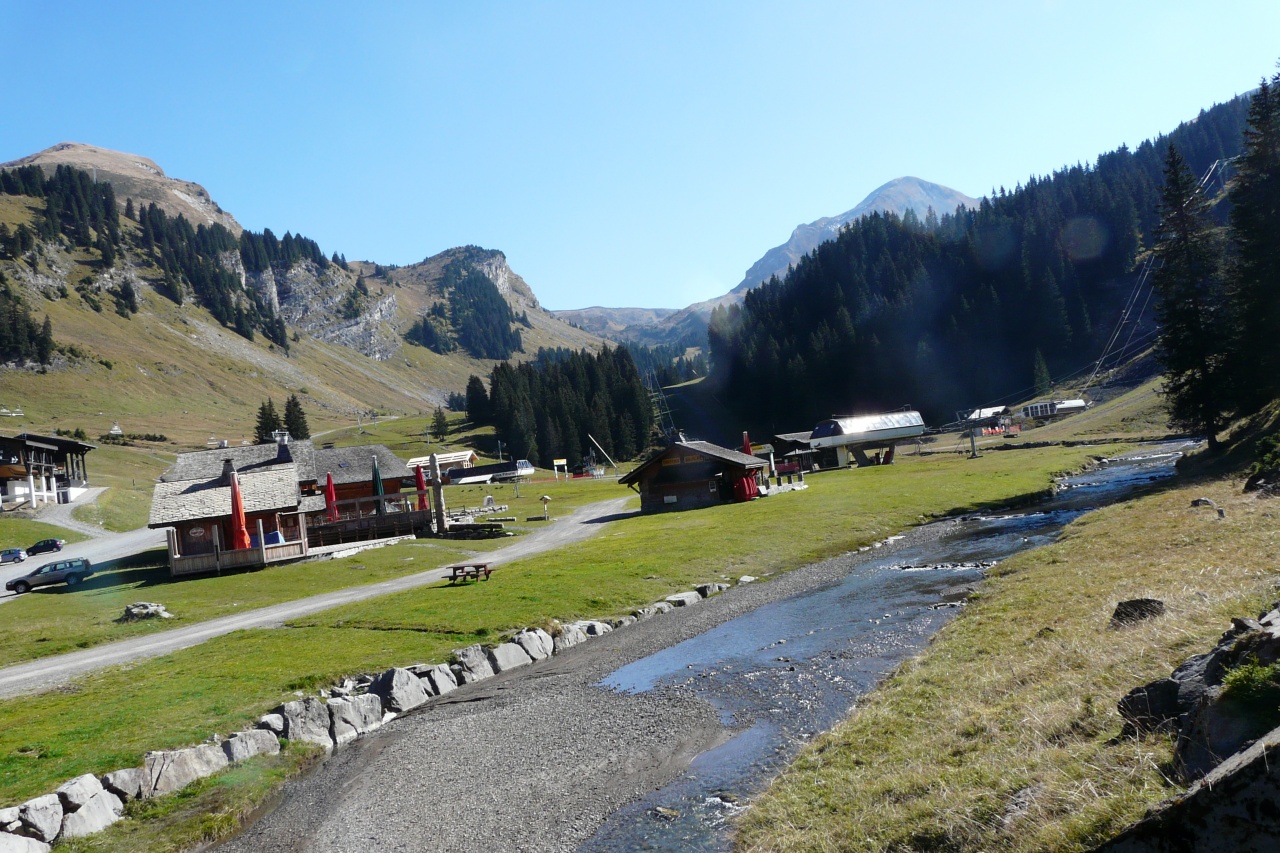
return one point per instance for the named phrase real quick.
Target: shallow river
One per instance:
(791, 669)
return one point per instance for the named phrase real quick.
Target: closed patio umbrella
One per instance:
(330, 499)
(420, 481)
(377, 487)
(239, 528)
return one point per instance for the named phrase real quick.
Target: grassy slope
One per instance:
(105, 722)
(1004, 734)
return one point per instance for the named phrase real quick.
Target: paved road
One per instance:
(48, 672)
(103, 547)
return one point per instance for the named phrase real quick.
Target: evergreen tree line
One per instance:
(668, 362)
(956, 311)
(476, 318)
(1219, 290)
(261, 252)
(75, 207)
(545, 410)
(21, 337)
(194, 256)
(269, 421)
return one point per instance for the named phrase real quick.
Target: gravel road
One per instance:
(534, 759)
(42, 674)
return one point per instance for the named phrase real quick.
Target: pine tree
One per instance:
(1040, 375)
(295, 420)
(439, 424)
(1255, 236)
(477, 401)
(268, 422)
(1192, 331)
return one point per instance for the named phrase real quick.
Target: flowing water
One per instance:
(793, 668)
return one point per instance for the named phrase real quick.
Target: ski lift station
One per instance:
(850, 436)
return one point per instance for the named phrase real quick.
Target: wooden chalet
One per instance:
(689, 474)
(36, 469)
(282, 486)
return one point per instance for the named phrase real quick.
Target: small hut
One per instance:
(689, 474)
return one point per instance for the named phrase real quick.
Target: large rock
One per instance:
(172, 770)
(144, 610)
(706, 590)
(21, 844)
(41, 817)
(593, 628)
(399, 689)
(354, 716)
(242, 746)
(103, 809)
(9, 821)
(1136, 610)
(623, 621)
(683, 599)
(474, 662)
(78, 791)
(1151, 707)
(505, 656)
(306, 720)
(125, 784)
(441, 679)
(537, 643)
(1231, 810)
(273, 723)
(570, 635)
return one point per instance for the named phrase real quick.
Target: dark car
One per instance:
(70, 571)
(45, 546)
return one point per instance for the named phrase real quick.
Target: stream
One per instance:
(796, 667)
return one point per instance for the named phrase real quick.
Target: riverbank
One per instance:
(1004, 735)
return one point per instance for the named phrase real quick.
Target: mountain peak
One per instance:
(137, 177)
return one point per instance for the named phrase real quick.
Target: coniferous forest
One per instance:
(950, 312)
(545, 409)
(474, 317)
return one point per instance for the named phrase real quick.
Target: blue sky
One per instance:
(638, 154)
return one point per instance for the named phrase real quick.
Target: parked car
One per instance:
(12, 555)
(70, 571)
(45, 546)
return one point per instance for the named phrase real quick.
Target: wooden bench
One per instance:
(469, 571)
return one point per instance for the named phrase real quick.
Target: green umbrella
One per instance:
(377, 486)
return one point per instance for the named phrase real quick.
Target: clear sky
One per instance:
(640, 154)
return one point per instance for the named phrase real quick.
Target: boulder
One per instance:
(505, 656)
(242, 746)
(475, 662)
(21, 844)
(663, 606)
(570, 635)
(683, 599)
(1136, 610)
(1233, 808)
(273, 723)
(399, 689)
(306, 720)
(706, 590)
(125, 784)
(441, 679)
(78, 791)
(41, 817)
(103, 809)
(144, 610)
(354, 716)
(746, 579)
(645, 612)
(622, 622)
(595, 629)
(172, 770)
(537, 643)
(1151, 707)
(9, 821)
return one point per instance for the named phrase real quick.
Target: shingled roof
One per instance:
(207, 464)
(263, 491)
(355, 464)
(705, 448)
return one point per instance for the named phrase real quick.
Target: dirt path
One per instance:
(60, 514)
(42, 674)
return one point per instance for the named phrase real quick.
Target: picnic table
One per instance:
(469, 571)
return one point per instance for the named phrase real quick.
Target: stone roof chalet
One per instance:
(355, 464)
(208, 464)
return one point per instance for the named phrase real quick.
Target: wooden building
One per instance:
(689, 474)
(36, 469)
(282, 486)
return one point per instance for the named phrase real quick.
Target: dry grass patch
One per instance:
(1003, 735)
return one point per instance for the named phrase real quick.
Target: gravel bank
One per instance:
(531, 760)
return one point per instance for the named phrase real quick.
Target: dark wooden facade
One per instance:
(692, 474)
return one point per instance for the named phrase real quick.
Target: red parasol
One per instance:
(239, 529)
(330, 499)
(420, 481)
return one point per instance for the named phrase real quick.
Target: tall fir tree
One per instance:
(439, 424)
(295, 419)
(268, 422)
(1255, 237)
(1193, 331)
(477, 401)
